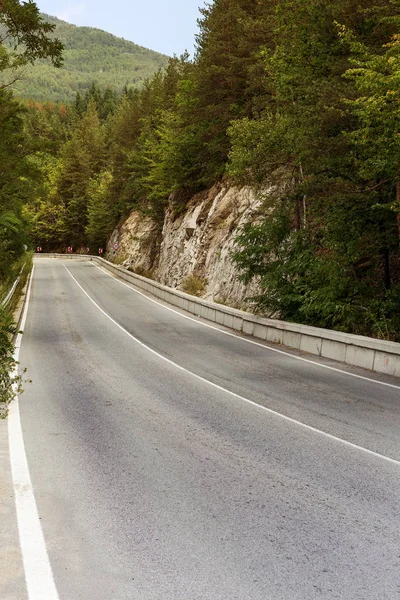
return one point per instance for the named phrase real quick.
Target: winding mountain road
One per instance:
(171, 461)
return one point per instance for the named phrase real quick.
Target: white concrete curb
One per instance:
(369, 353)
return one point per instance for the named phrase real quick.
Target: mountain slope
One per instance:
(90, 55)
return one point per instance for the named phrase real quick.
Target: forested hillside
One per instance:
(298, 99)
(90, 55)
(20, 172)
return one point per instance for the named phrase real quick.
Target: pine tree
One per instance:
(326, 243)
(376, 139)
(125, 129)
(100, 218)
(82, 158)
(227, 68)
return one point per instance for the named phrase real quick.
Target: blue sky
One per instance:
(168, 26)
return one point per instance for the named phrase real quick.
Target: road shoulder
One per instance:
(12, 579)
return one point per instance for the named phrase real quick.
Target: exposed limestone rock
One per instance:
(139, 241)
(195, 244)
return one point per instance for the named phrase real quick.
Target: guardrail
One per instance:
(10, 294)
(369, 353)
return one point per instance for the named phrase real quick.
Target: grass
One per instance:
(148, 273)
(194, 285)
(120, 258)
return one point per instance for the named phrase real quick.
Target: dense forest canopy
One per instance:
(300, 99)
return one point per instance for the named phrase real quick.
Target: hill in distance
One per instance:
(90, 55)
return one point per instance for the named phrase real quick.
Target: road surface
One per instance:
(159, 474)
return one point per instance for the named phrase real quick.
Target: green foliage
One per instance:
(100, 221)
(16, 182)
(260, 147)
(12, 235)
(229, 76)
(106, 101)
(376, 138)
(25, 37)
(82, 158)
(170, 161)
(9, 381)
(154, 145)
(325, 281)
(327, 251)
(278, 96)
(89, 55)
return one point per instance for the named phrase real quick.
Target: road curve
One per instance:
(153, 484)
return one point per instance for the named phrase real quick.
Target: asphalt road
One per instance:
(153, 484)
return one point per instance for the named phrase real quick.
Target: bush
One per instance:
(10, 381)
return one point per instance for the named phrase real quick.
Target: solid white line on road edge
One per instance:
(245, 339)
(242, 398)
(38, 574)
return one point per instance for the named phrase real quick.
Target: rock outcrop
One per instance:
(138, 240)
(193, 250)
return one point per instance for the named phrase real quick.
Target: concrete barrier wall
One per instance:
(369, 353)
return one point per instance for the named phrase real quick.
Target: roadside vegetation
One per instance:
(10, 381)
(300, 99)
(25, 38)
(194, 285)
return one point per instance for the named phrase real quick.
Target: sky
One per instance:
(168, 26)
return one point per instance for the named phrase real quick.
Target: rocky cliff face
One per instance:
(138, 240)
(193, 250)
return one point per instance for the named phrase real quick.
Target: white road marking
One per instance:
(242, 398)
(38, 574)
(244, 339)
